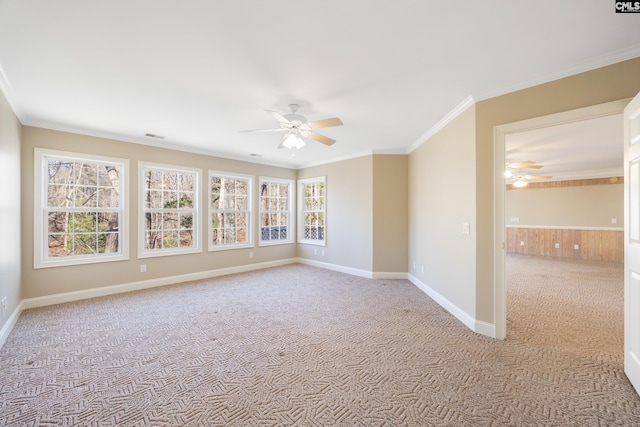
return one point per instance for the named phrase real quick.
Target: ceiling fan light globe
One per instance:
(292, 141)
(508, 174)
(520, 183)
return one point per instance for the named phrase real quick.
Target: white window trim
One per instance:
(291, 226)
(40, 221)
(197, 232)
(250, 216)
(301, 185)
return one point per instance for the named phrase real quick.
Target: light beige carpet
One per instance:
(298, 345)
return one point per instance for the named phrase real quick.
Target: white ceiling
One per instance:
(197, 71)
(584, 149)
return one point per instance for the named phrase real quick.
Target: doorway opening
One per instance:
(501, 134)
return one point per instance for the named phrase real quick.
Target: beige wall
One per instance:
(349, 238)
(450, 181)
(582, 206)
(10, 216)
(441, 198)
(54, 280)
(611, 83)
(390, 213)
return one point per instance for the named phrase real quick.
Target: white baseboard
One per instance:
(163, 281)
(146, 284)
(485, 328)
(8, 326)
(336, 267)
(469, 321)
(390, 275)
(354, 271)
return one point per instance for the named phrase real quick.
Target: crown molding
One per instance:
(451, 115)
(595, 63)
(9, 94)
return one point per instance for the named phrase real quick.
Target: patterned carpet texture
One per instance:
(298, 345)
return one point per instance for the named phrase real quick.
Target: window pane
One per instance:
(186, 182)
(229, 202)
(229, 220)
(59, 195)
(108, 176)
(242, 235)
(185, 200)
(170, 239)
(84, 244)
(59, 245)
(107, 243)
(170, 199)
(58, 222)
(108, 198)
(186, 238)
(84, 222)
(186, 221)
(170, 221)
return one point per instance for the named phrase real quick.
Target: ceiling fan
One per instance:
(521, 180)
(511, 166)
(296, 126)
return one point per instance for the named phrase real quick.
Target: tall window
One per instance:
(312, 201)
(275, 211)
(169, 220)
(79, 209)
(229, 211)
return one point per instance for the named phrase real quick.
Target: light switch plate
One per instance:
(466, 228)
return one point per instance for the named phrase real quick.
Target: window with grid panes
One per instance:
(169, 210)
(275, 211)
(229, 210)
(79, 209)
(312, 201)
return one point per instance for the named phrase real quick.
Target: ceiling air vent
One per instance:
(153, 135)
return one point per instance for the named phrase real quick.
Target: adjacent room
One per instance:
(268, 213)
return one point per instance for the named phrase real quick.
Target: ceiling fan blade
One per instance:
(279, 117)
(320, 138)
(263, 130)
(325, 123)
(528, 164)
(538, 176)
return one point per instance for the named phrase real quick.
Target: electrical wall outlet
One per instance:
(143, 268)
(3, 305)
(576, 247)
(557, 246)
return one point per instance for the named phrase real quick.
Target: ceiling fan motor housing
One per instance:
(296, 119)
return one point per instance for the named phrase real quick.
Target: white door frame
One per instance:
(499, 135)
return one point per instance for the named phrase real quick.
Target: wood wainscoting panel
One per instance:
(587, 244)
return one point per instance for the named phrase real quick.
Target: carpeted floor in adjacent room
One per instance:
(298, 345)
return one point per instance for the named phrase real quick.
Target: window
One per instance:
(79, 209)
(229, 211)
(275, 211)
(312, 201)
(169, 219)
